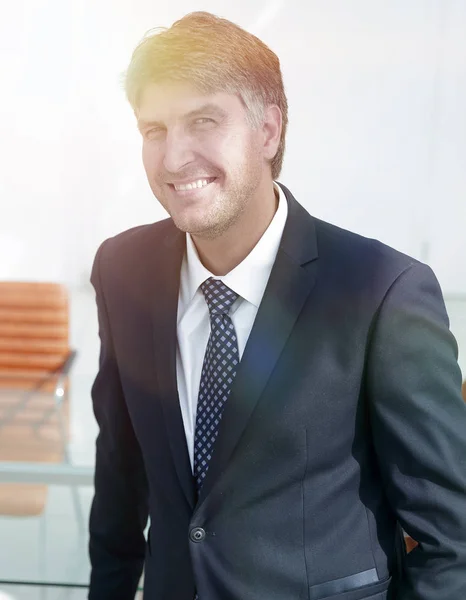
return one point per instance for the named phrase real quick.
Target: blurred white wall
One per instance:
(376, 144)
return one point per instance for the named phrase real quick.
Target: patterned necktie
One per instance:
(218, 372)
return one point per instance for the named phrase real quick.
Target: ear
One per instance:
(272, 129)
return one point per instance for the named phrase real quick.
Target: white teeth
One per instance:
(200, 183)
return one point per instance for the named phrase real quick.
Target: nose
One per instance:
(178, 151)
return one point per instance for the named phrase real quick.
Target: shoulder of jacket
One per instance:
(346, 243)
(135, 241)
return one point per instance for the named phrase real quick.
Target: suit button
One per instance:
(197, 534)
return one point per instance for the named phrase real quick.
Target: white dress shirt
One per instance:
(249, 280)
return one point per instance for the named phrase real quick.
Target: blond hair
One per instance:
(214, 55)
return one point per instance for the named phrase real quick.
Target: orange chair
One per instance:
(35, 358)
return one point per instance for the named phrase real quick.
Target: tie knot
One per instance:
(219, 297)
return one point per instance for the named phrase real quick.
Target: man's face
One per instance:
(204, 143)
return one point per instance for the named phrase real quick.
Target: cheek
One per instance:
(239, 149)
(228, 157)
(150, 158)
(210, 151)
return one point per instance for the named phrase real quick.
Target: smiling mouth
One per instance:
(197, 184)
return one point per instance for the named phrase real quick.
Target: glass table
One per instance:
(45, 500)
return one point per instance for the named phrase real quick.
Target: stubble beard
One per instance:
(226, 210)
(225, 213)
(231, 203)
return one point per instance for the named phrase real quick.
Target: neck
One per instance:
(221, 255)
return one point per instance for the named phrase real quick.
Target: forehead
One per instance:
(169, 101)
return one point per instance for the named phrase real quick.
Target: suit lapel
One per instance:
(165, 290)
(288, 287)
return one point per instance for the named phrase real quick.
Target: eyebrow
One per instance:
(208, 108)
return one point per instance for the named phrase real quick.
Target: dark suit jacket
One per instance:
(345, 421)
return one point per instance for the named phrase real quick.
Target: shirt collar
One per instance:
(249, 278)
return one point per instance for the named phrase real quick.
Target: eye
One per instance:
(152, 133)
(203, 121)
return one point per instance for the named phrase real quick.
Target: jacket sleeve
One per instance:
(119, 509)
(418, 420)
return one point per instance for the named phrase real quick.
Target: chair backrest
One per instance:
(34, 338)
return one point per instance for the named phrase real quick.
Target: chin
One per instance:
(205, 222)
(200, 229)
(189, 222)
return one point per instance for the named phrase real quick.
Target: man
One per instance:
(279, 395)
